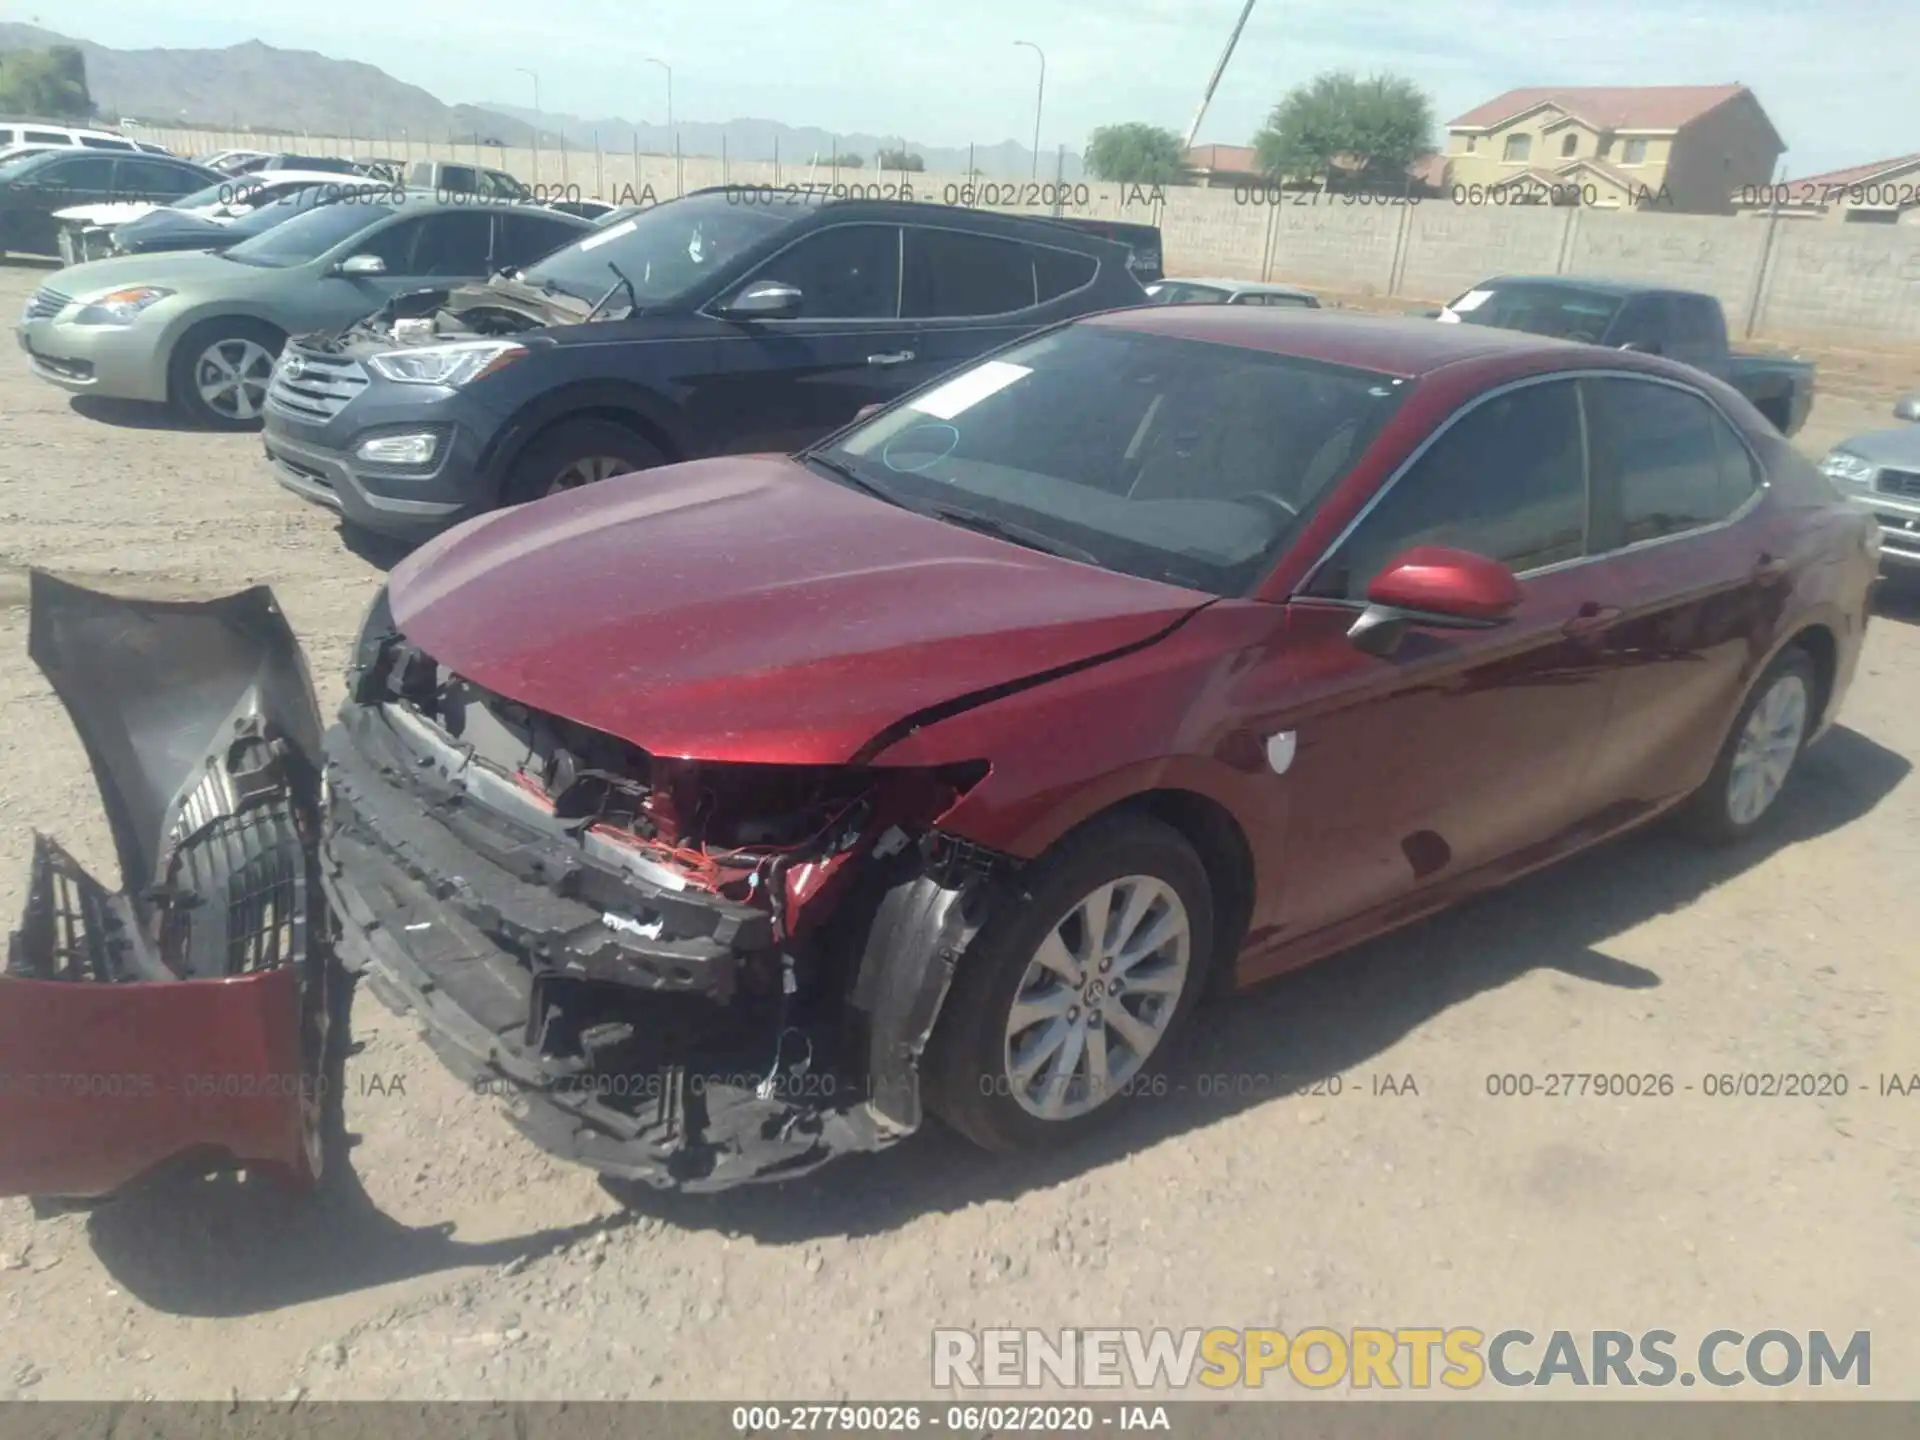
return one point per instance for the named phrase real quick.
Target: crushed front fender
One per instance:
(185, 1012)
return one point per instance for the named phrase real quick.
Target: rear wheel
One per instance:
(220, 370)
(1760, 753)
(576, 453)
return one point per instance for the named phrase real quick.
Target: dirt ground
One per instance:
(460, 1263)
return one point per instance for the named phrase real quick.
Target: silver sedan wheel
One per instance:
(1769, 744)
(588, 470)
(1097, 997)
(231, 376)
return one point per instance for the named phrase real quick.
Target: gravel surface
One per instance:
(461, 1263)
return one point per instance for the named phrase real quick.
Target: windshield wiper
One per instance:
(860, 482)
(620, 282)
(1010, 530)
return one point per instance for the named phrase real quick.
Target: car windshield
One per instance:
(1565, 312)
(1177, 460)
(23, 164)
(664, 250)
(295, 238)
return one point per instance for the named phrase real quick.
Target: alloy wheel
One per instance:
(1769, 744)
(231, 376)
(588, 470)
(1097, 997)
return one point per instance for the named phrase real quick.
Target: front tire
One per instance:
(1077, 989)
(219, 372)
(576, 453)
(1761, 752)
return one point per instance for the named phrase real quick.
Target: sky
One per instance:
(1837, 77)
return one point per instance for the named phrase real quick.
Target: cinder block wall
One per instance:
(1842, 283)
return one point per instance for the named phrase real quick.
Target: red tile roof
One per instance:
(1853, 174)
(1606, 107)
(1233, 159)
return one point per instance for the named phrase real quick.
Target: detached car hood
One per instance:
(749, 609)
(172, 228)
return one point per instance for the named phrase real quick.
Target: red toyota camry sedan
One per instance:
(729, 817)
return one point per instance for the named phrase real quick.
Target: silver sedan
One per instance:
(201, 330)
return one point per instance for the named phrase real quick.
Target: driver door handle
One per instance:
(892, 357)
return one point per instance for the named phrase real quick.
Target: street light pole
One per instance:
(1039, 99)
(536, 119)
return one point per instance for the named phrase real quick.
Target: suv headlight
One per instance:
(1848, 468)
(457, 363)
(118, 307)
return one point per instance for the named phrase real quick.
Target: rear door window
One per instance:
(952, 275)
(523, 239)
(455, 243)
(1665, 461)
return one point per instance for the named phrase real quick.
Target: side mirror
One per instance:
(766, 300)
(361, 265)
(1436, 587)
(1907, 408)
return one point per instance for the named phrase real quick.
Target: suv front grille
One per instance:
(1900, 482)
(314, 388)
(45, 303)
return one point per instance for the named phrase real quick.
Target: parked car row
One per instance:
(1081, 655)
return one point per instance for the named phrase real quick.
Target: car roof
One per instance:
(1386, 344)
(321, 177)
(896, 210)
(1599, 285)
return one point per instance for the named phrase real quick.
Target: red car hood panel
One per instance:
(748, 609)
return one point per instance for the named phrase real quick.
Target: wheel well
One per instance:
(1824, 651)
(612, 415)
(1211, 829)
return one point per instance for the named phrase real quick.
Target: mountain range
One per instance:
(255, 86)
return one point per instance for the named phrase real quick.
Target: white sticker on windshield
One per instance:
(612, 232)
(1472, 300)
(963, 392)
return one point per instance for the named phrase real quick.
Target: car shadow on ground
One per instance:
(188, 1241)
(1284, 1038)
(130, 414)
(377, 550)
(1897, 597)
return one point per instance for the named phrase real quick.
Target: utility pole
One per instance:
(1218, 70)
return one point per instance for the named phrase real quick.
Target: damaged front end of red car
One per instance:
(185, 1013)
(688, 973)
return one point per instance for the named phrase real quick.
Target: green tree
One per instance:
(847, 162)
(48, 83)
(899, 160)
(1135, 153)
(1338, 126)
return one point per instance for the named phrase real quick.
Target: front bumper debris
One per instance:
(187, 1012)
(618, 1021)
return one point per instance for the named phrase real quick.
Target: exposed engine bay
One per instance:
(688, 973)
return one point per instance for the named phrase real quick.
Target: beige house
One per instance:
(1685, 149)
(1887, 192)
